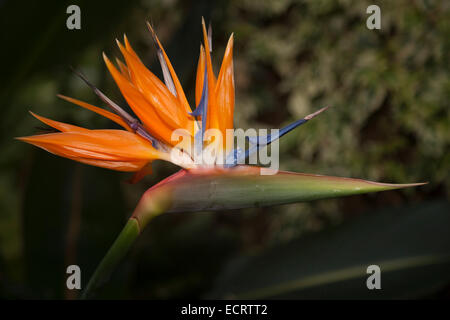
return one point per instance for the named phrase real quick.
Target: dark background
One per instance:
(389, 90)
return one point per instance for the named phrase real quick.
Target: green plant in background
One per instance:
(162, 108)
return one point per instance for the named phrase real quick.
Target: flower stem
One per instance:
(117, 251)
(155, 201)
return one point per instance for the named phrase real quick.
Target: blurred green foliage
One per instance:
(389, 91)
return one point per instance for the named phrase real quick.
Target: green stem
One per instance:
(117, 251)
(154, 202)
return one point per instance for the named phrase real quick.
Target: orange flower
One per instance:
(161, 109)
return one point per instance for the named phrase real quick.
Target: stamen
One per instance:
(134, 123)
(165, 69)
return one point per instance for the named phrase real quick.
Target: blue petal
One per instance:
(261, 141)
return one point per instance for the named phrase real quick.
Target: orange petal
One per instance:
(154, 91)
(64, 127)
(180, 93)
(139, 69)
(156, 126)
(111, 116)
(213, 116)
(224, 91)
(137, 66)
(126, 166)
(200, 76)
(115, 145)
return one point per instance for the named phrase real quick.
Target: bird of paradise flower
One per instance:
(161, 108)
